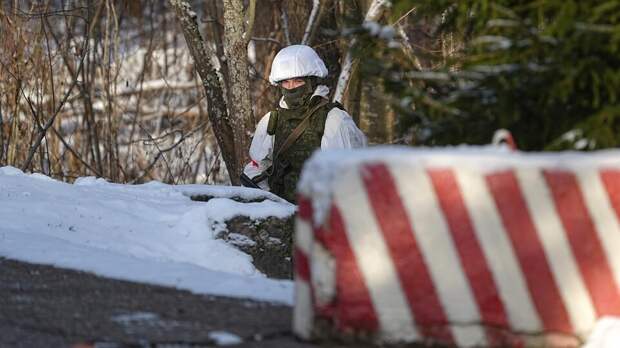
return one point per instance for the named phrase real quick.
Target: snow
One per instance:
(428, 75)
(497, 42)
(375, 9)
(385, 32)
(130, 320)
(150, 233)
(606, 334)
(252, 52)
(127, 319)
(240, 240)
(223, 338)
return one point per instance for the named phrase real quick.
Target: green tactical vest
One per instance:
(282, 122)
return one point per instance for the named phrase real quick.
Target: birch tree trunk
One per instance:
(375, 10)
(297, 13)
(218, 115)
(312, 22)
(240, 103)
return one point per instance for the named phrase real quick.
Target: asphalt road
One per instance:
(43, 306)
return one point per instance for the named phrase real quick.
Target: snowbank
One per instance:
(150, 233)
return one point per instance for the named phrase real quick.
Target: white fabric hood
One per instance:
(296, 61)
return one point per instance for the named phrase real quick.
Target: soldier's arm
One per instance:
(260, 154)
(341, 132)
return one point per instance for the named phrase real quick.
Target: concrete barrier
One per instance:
(471, 247)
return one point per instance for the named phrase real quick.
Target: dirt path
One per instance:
(43, 306)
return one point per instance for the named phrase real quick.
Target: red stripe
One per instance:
(529, 250)
(404, 250)
(304, 208)
(472, 257)
(353, 309)
(584, 242)
(611, 181)
(302, 266)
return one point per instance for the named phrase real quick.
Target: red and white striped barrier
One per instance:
(473, 247)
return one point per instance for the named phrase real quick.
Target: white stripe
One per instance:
(440, 255)
(303, 313)
(304, 236)
(323, 275)
(374, 259)
(557, 249)
(498, 251)
(603, 216)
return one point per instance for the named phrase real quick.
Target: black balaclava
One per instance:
(298, 97)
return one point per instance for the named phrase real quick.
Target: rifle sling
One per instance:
(301, 127)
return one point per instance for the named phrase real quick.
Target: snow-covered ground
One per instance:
(150, 233)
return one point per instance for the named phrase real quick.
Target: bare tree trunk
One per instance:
(312, 21)
(354, 98)
(285, 27)
(239, 102)
(1, 134)
(218, 114)
(14, 137)
(89, 115)
(88, 78)
(13, 141)
(408, 48)
(375, 10)
(377, 117)
(250, 17)
(212, 18)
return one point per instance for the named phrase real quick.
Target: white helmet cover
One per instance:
(296, 61)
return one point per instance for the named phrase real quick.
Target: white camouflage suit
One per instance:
(340, 130)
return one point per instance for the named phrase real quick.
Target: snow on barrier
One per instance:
(470, 246)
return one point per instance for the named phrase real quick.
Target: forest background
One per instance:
(141, 90)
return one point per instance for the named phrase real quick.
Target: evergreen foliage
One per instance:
(548, 71)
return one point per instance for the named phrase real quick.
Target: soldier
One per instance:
(303, 121)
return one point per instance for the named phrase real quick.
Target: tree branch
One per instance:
(50, 121)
